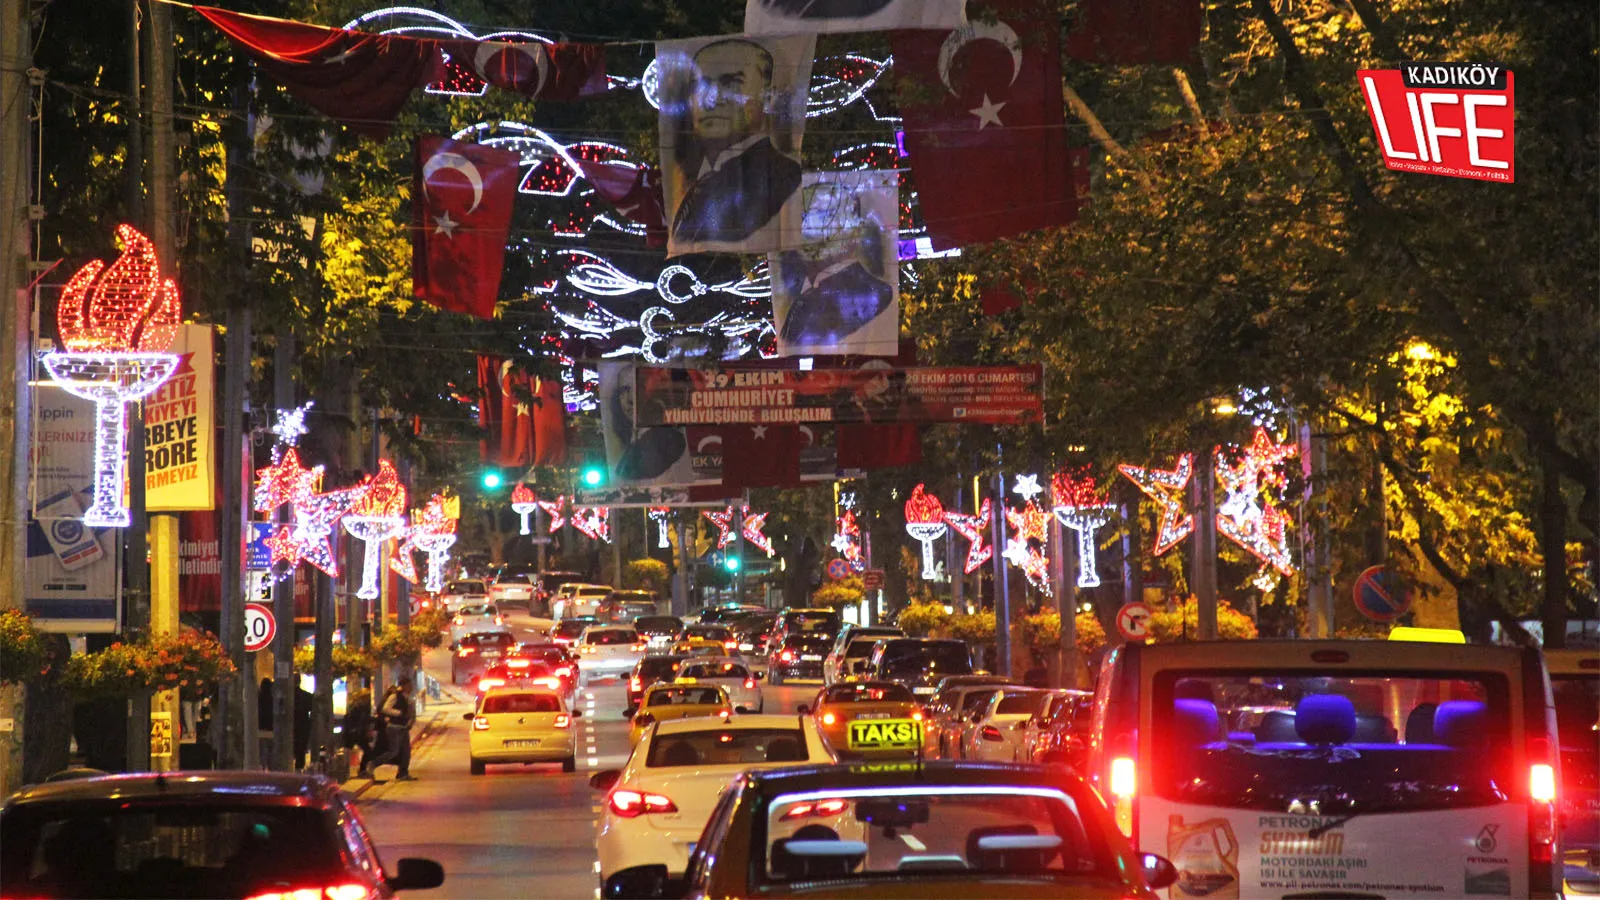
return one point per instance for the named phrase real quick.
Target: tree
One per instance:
(649, 574)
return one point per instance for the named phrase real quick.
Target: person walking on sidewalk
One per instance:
(399, 713)
(358, 726)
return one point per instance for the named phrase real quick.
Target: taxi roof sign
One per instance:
(1427, 635)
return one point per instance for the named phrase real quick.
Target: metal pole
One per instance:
(1203, 501)
(283, 681)
(1002, 589)
(680, 585)
(953, 564)
(136, 617)
(133, 174)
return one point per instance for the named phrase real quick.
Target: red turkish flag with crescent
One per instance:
(636, 193)
(534, 69)
(461, 203)
(984, 130)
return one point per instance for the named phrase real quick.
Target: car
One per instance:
(659, 632)
(721, 615)
(940, 830)
(476, 618)
(545, 586)
(797, 656)
(664, 702)
(204, 834)
(945, 703)
(521, 725)
(1056, 734)
(851, 649)
(820, 621)
(475, 653)
(520, 671)
(648, 671)
(741, 684)
(623, 607)
(952, 711)
(918, 663)
(462, 591)
(996, 732)
(575, 600)
(607, 650)
(657, 804)
(699, 647)
(750, 630)
(1575, 681)
(1434, 764)
(875, 705)
(513, 589)
(567, 631)
(719, 633)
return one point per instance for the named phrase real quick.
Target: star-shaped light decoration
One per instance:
(523, 503)
(278, 483)
(556, 509)
(1166, 487)
(974, 529)
(290, 427)
(1081, 507)
(316, 518)
(1027, 487)
(594, 522)
(753, 534)
(1248, 514)
(723, 519)
(283, 547)
(1030, 538)
(404, 562)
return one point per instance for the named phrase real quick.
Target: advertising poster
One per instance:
(179, 430)
(71, 576)
(991, 395)
(199, 562)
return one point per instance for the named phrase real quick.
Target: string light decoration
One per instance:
(1080, 506)
(433, 531)
(290, 426)
(1030, 538)
(754, 523)
(523, 503)
(593, 522)
(117, 323)
(284, 480)
(975, 530)
(661, 516)
(1248, 514)
(925, 523)
(404, 562)
(557, 511)
(1167, 488)
(316, 517)
(723, 520)
(1027, 487)
(378, 516)
(847, 540)
(750, 526)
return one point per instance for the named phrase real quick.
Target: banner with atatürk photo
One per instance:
(732, 117)
(986, 395)
(840, 293)
(828, 16)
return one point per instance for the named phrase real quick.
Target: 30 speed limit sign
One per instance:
(259, 627)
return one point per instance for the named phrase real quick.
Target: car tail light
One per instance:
(486, 683)
(563, 720)
(499, 620)
(350, 891)
(458, 620)
(635, 684)
(466, 651)
(749, 684)
(639, 647)
(916, 716)
(519, 663)
(632, 804)
(829, 718)
(1123, 778)
(553, 684)
(564, 671)
(991, 733)
(820, 808)
(479, 723)
(730, 645)
(787, 656)
(1542, 783)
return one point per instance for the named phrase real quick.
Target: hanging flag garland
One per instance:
(975, 529)
(1080, 506)
(1166, 487)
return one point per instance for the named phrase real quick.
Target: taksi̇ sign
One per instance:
(1450, 119)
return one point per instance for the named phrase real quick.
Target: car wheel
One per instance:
(479, 767)
(570, 764)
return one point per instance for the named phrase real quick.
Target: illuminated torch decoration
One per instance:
(117, 323)
(1080, 506)
(523, 503)
(433, 531)
(974, 529)
(378, 516)
(660, 515)
(925, 523)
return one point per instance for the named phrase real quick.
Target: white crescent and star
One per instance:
(989, 112)
(460, 164)
(488, 50)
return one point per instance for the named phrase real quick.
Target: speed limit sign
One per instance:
(259, 627)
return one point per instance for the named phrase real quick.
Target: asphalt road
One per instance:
(519, 831)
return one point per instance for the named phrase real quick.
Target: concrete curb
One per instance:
(430, 729)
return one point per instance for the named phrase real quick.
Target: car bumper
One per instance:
(553, 752)
(606, 666)
(621, 845)
(800, 670)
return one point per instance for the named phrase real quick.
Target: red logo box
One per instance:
(1452, 119)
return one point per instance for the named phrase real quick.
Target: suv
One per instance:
(824, 622)
(851, 649)
(545, 586)
(798, 656)
(578, 599)
(918, 663)
(513, 588)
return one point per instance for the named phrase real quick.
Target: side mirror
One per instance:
(577, 714)
(605, 779)
(802, 709)
(468, 716)
(416, 874)
(1159, 872)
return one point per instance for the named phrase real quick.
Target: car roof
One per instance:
(717, 723)
(596, 629)
(221, 786)
(912, 774)
(510, 689)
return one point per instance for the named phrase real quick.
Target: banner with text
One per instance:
(990, 395)
(70, 577)
(179, 431)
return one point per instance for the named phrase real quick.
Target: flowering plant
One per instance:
(22, 650)
(189, 661)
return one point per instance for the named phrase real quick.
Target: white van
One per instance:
(1333, 768)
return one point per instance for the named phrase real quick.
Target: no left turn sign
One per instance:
(259, 627)
(1133, 621)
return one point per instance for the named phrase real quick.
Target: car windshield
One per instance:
(465, 587)
(876, 692)
(518, 578)
(959, 830)
(549, 655)
(475, 609)
(521, 703)
(1020, 704)
(941, 657)
(807, 644)
(131, 848)
(727, 747)
(571, 628)
(610, 637)
(713, 670)
(657, 624)
(1335, 743)
(553, 580)
(684, 696)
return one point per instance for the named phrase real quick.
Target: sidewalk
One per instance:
(432, 719)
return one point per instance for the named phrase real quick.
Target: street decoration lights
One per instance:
(1248, 514)
(378, 516)
(1166, 487)
(1081, 507)
(723, 520)
(594, 522)
(433, 531)
(660, 515)
(925, 523)
(523, 503)
(557, 511)
(750, 527)
(847, 540)
(974, 529)
(116, 323)
(316, 517)
(1030, 534)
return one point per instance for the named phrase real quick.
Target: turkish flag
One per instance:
(760, 456)
(636, 193)
(489, 416)
(549, 423)
(516, 417)
(1137, 32)
(984, 129)
(533, 68)
(359, 79)
(461, 203)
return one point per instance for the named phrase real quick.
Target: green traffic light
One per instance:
(592, 477)
(731, 563)
(491, 480)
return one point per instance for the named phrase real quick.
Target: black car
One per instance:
(799, 656)
(648, 671)
(477, 652)
(567, 630)
(919, 663)
(750, 630)
(659, 632)
(205, 834)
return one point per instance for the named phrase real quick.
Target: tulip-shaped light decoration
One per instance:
(378, 516)
(1080, 506)
(116, 323)
(523, 503)
(925, 523)
(660, 515)
(434, 533)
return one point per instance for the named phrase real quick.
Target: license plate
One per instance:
(925, 690)
(877, 715)
(810, 657)
(520, 745)
(885, 734)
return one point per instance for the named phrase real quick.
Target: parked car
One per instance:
(476, 618)
(521, 725)
(463, 591)
(623, 607)
(206, 834)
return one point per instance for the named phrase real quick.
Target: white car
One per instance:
(573, 600)
(521, 725)
(608, 650)
(462, 591)
(516, 587)
(999, 732)
(476, 618)
(657, 805)
(731, 675)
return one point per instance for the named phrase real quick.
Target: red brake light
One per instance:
(519, 663)
(486, 683)
(787, 656)
(1330, 656)
(553, 684)
(831, 807)
(990, 733)
(749, 684)
(730, 645)
(916, 716)
(466, 651)
(1123, 778)
(820, 808)
(1542, 783)
(797, 811)
(330, 892)
(632, 804)
(479, 723)
(829, 718)
(458, 620)
(563, 720)
(499, 620)
(635, 684)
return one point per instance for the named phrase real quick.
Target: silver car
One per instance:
(473, 618)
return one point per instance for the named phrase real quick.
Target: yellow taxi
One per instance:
(699, 647)
(869, 718)
(678, 701)
(521, 725)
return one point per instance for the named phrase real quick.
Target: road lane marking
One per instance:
(913, 843)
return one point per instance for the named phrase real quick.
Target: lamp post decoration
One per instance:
(1167, 487)
(925, 523)
(116, 323)
(1080, 506)
(379, 516)
(523, 503)
(1248, 514)
(975, 530)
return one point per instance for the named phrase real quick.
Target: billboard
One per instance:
(71, 578)
(180, 431)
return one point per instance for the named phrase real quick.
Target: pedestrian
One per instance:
(357, 729)
(399, 712)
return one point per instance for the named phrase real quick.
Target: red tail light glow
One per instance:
(990, 733)
(632, 804)
(499, 620)
(820, 808)
(486, 683)
(634, 684)
(553, 684)
(563, 720)
(466, 651)
(519, 663)
(916, 716)
(1542, 783)
(479, 723)
(564, 671)
(1123, 778)
(749, 684)
(330, 892)
(730, 645)
(787, 656)
(829, 718)
(458, 620)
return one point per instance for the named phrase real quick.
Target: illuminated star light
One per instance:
(291, 426)
(316, 518)
(1079, 506)
(973, 528)
(1247, 515)
(556, 510)
(1027, 487)
(593, 522)
(724, 522)
(1166, 487)
(404, 563)
(752, 529)
(1032, 535)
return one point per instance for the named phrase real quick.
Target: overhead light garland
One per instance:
(1166, 487)
(1080, 506)
(925, 523)
(975, 530)
(523, 503)
(378, 516)
(1248, 514)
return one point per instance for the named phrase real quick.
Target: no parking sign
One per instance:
(1380, 596)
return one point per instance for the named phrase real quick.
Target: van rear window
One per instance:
(1333, 744)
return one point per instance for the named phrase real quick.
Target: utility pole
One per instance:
(1203, 571)
(16, 340)
(283, 680)
(680, 585)
(1002, 583)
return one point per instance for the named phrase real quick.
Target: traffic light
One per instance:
(491, 479)
(731, 563)
(593, 475)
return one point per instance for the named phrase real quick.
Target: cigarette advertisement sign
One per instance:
(990, 395)
(71, 573)
(179, 430)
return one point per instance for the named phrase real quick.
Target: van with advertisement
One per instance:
(1333, 768)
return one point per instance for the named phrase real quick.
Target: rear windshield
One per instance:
(547, 655)
(487, 639)
(610, 636)
(860, 648)
(659, 666)
(685, 696)
(727, 747)
(709, 632)
(1016, 704)
(572, 628)
(518, 578)
(943, 657)
(465, 587)
(129, 848)
(552, 580)
(657, 624)
(811, 621)
(816, 644)
(521, 703)
(1333, 743)
(877, 692)
(713, 670)
(520, 667)
(476, 609)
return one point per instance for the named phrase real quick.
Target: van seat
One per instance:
(1325, 719)
(1195, 722)
(1459, 723)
